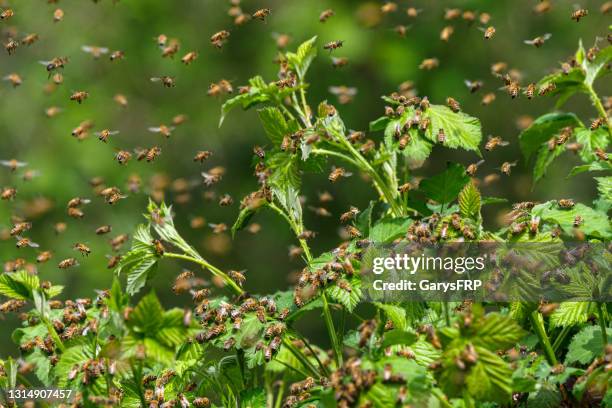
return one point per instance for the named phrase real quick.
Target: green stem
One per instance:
(446, 313)
(296, 227)
(559, 339)
(213, 269)
(333, 336)
(301, 357)
(602, 323)
(279, 396)
(56, 338)
(538, 325)
(599, 106)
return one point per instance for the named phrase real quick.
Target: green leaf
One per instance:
(604, 186)
(497, 332)
(388, 229)
(544, 159)
(591, 140)
(444, 187)
(469, 201)
(398, 336)
(285, 169)
(243, 219)
(570, 314)
(259, 92)
(597, 67)
(253, 398)
(594, 166)
(395, 313)
(275, 124)
(379, 124)
(566, 85)
(492, 200)
(542, 129)
(594, 224)
(147, 317)
(301, 60)
(347, 298)
(417, 150)
(586, 345)
(139, 272)
(461, 130)
(18, 285)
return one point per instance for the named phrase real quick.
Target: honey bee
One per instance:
(189, 57)
(333, 45)
(13, 164)
(162, 129)
(353, 232)
(166, 81)
(441, 136)
(413, 12)
(404, 188)
(104, 229)
(152, 153)
(121, 100)
(79, 96)
(513, 88)
(10, 46)
(601, 154)
(14, 79)
(54, 64)
(493, 142)
(530, 90)
(218, 228)
(345, 94)
(320, 211)
(25, 242)
(80, 132)
(566, 203)
(472, 168)
(123, 156)
(6, 14)
(29, 39)
(171, 49)
(488, 99)
(201, 402)
(429, 64)
(578, 220)
(226, 200)
(326, 15)
(453, 104)
(446, 33)
(20, 227)
(538, 41)
(8, 193)
(262, 14)
(117, 55)
(469, 16)
(95, 52)
(82, 248)
(337, 173)
(68, 263)
(506, 167)
(597, 123)
(564, 135)
(542, 7)
(104, 134)
(489, 32)
(401, 30)
(237, 276)
(579, 14)
(498, 68)
(307, 235)
(118, 241)
(159, 248)
(547, 88)
(388, 7)
(218, 39)
(452, 14)
(58, 15)
(52, 111)
(404, 140)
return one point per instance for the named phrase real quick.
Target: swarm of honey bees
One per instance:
(105, 342)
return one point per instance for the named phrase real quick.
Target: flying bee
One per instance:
(104, 134)
(67, 263)
(58, 15)
(488, 99)
(452, 14)
(52, 111)
(353, 232)
(171, 49)
(530, 90)
(307, 235)
(95, 52)
(597, 123)
(29, 39)
(237, 276)
(12, 164)
(547, 88)
(320, 211)
(6, 14)
(413, 12)
(493, 142)
(123, 156)
(473, 168)
(218, 228)
(489, 32)
(578, 220)
(473, 86)
(121, 100)
(166, 81)
(429, 64)
(20, 227)
(401, 30)
(326, 15)
(513, 88)
(333, 45)
(469, 16)
(25, 242)
(601, 154)
(189, 57)
(75, 213)
(388, 7)
(262, 14)
(55, 63)
(453, 104)
(163, 130)
(345, 94)
(506, 167)
(566, 203)
(117, 55)
(337, 173)
(10, 46)
(339, 62)
(14, 79)
(152, 153)
(104, 229)
(542, 7)
(579, 14)
(79, 96)
(538, 41)
(80, 132)
(226, 200)
(218, 39)
(82, 248)
(446, 33)
(8, 193)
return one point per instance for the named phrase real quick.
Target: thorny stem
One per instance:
(602, 324)
(600, 108)
(205, 265)
(538, 326)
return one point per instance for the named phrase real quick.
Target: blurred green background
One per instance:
(379, 61)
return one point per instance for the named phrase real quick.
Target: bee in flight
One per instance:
(579, 13)
(79, 96)
(13, 164)
(95, 51)
(14, 79)
(539, 40)
(333, 45)
(163, 130)
(166, 81)
(104, 134)
(262, 14)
